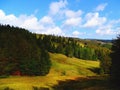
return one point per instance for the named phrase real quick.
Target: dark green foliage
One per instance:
(19, 52)
(71, 47)
(105, 64)
(115, 55)
(92, 50)
(67, 46)
(109, 46)
(45, 62)
(105, 60)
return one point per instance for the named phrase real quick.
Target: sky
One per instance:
(86, 19)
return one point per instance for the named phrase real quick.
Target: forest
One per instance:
(24, 53)
(20, 53)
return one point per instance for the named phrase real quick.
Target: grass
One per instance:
(63, 68)
(72, 66)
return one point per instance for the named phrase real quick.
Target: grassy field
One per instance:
(62, 65)
(63, 68)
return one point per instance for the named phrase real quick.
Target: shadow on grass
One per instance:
(95, 70)
(4, 76)
(88, 83)
(40, 88)
(6, 88)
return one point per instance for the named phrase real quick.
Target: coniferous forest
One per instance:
(20, 53)
(25, 53)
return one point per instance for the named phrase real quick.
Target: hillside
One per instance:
(66, 66)
(25, 53)
(62, 68)
(32, 61)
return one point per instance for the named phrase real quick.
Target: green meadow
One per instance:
(63, 68)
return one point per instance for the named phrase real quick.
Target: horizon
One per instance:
(79, 18)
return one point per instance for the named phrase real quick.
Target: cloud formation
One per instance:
(105, 30)
(45, 25)
(60, 20)
(73, 14)
(93, 20)
(101, 7)
(109, 28)
(73, 18)
(76, 33)
(57, 7)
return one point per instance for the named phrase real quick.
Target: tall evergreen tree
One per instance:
(115, 55)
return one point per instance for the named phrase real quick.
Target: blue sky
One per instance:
(95, 19)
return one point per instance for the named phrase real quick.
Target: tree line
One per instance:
(26, 53)
(73, 47)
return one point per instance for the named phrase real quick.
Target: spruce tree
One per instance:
(115, 55)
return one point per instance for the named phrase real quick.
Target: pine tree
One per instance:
(115, 55)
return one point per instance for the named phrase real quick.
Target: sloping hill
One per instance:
(62, 68)
(66, 66)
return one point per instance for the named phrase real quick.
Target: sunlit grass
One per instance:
(72, 66)
(62, 68)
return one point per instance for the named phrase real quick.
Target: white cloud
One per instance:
(44, 25)
(73, 18)
(31, 23)
(76, 33)
(73, 14)
(61, 20)
(73, 22)
(2, 14)
(93, 20)
(7, 19)
(56, 7)
(111, 28)
(101, 7)
(112, 22)
(105, 31)
(54, 30)
(46, 20)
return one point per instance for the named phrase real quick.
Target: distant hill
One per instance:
(106, 41)
(102, 40)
